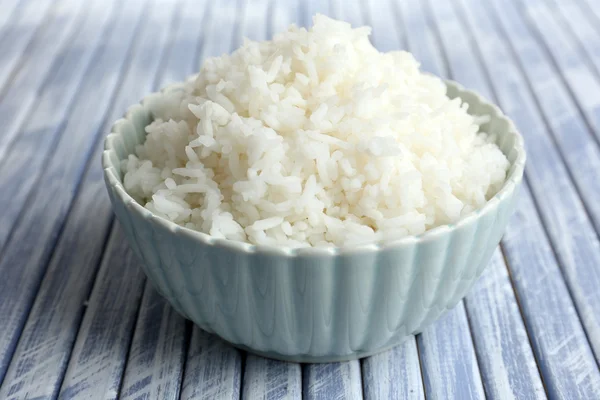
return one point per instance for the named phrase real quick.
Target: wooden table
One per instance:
(78, 319)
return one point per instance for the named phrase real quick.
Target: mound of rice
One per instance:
(313, 139)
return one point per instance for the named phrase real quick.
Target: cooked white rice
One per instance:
(312, 139)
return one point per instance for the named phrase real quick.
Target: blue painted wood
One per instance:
(576, 142)
(219, 34)
(98, 358)
(578, 253)
(340, 380)
(27, 21)
(579, 19)
(158, 350)
(506, 360)
(495, 320)
(271, 379)
(9, 8)
(23, 100)
(394, 374)
(309, 8)
(45, 54)
(213, 369)
(450, 369)
(31, 261)
(382, 16)
(550, 317)
(421, 41)
(448, 360)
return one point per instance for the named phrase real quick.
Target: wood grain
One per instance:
(29, 20)
(341, 380)
(394, 374)
(36, 226)
(22, 99)
(550, 317)
(579, 252)
(271, 379)
(157, 354)
(213, 369)
(570, 100)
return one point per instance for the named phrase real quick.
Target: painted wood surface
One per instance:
(80, 321)
(547, 308)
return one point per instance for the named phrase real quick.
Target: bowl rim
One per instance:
(511, 183)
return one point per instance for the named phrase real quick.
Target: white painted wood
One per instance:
(496, 322)
(506, 360)
(27, 22)
(48, 68)
(550, 318)
(254, 24)
(220, 33)
(25, 266)
(575, 140)
(420, 36)
(394, 374)
(448, 360)
(99, 355)
(572, 233)
(48, 52)
(340, 380)
(158, 350)
(44, 214)
(9, 7)
(271, 379)
(387, 33)
(213, 369)
(310, 8)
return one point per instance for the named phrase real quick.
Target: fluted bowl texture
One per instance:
(313, 305)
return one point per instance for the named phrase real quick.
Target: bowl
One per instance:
(313, 304)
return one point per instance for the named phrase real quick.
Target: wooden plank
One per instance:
(220, 33)
(98, 358)
(158, 350)
(563, 113)
(213, 369)
(387, 33)
(341, 380)
(266, 378)
(271, 379)
(182, 58)
(422, 40)
(23, 101)
(350, 11)
(98, 361)
(550, 316)
(254, 23)
(394, 374)
(310, 8)
(9, 8)
(50, 51)
(494, 315)
(282, 14)
(505, 356)
(25, 265)
(560, 206)
(448, 360)
(450, 369)
(29, 20)
(580, 20)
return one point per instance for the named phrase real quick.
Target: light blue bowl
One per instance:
(313, 305)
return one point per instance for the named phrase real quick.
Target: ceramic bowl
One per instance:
(313, 305)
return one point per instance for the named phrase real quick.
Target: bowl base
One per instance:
(318, 359)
